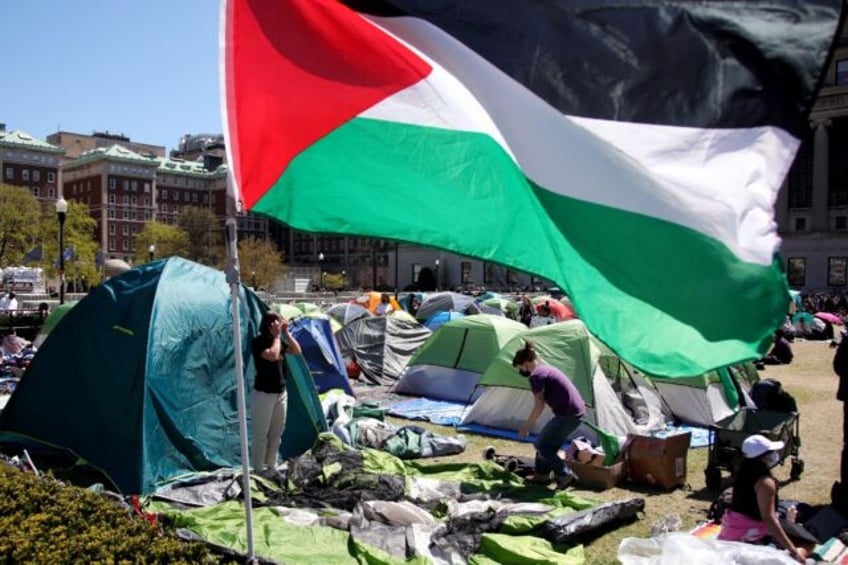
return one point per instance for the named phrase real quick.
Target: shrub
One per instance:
(46, 521)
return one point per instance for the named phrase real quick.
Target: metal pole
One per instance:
(397, 285)
(234, 282)
(61, 212)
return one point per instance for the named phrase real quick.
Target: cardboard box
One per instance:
(658, 461)
(597, 477)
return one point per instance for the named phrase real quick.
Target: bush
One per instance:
(46, 521)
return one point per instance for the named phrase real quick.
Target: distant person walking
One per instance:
(552, 387)
(269, 398)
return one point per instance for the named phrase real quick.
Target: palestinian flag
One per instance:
(631, 152)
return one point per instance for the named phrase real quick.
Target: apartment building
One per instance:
(31, 163)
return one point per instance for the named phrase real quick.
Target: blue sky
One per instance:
(147, 69)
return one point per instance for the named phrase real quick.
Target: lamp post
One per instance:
(150, 251)
(344, 279)
(61, 213)
(437, 274)
(321, 272)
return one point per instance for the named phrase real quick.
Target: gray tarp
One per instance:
(382, 346)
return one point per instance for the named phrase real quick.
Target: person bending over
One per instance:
(550, 386)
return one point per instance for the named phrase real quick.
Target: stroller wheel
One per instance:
(796, 469)
(713, 478)
(489, 453)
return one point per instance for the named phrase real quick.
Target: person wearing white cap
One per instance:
(752, 515)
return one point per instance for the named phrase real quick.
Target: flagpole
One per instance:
(234, 281)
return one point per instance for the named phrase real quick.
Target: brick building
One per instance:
(31, 163)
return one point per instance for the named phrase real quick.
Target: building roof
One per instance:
(114, 152)
(192, 168)
(20, 138)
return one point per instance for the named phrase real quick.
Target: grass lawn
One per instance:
(810, 379)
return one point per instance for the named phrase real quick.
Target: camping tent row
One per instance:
(470, 360)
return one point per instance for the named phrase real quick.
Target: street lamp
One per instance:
(150, 251)
(344, 279)
(61, 213)
(437, 274)
(321, 272)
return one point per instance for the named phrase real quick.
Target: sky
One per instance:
(147, 69)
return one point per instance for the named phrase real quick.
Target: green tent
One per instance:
(618, 401)
(53, 318)
(449, 364)
(706, 399)
(138, 379)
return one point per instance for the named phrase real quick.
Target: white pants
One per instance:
(268, 413)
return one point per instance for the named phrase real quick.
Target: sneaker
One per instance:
(542, 479)
(563, 481)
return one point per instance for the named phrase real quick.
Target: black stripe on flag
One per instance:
(705, 64)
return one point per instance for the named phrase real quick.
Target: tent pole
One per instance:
(234, 281)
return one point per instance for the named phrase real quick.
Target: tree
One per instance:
(79, 236)
(261, 263)
(169, 241)
(19, 225)
(205, 234)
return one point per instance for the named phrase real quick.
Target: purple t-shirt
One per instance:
(557, 390)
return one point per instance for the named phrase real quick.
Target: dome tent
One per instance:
(138, 379)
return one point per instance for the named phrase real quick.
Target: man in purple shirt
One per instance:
(550, 386)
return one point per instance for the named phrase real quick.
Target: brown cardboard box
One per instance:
(658, 461)
(595, 476)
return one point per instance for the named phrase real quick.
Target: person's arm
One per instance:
(538, 407)
(293, 346)
(766, 495)
(273, 352)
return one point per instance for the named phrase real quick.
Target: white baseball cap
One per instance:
(757, 445)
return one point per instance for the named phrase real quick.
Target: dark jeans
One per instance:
(550, 440)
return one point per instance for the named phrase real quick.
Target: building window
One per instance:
(126, 214)
(164, 194)
(840, 222)
(35, 191)
(125, 229)
(10, 173)
(36, 176)
(837, 165)
(51, 177)
(842, 72)
(125, 184)
(467, 275)
(796, 271)
(25, 174)
(185, 196)
(488, 273)
(125, 245)
(51, 192)
(800, 224)
(111, 213)
(134, 230)
(147, 187)
(134, 200)
(112, 183)
(111, 244)
(111, 199)
(111, 228)
(194, 197)
(836, 267)
(134, 186)
(800, 177)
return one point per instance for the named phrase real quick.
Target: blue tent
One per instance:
(315, 336)
(435, 321)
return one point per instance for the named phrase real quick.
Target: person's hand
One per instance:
(524, 431)
(284, 326)
(833, 343)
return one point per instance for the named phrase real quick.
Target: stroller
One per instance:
(776, 418)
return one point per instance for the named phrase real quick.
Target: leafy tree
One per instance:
(205, 234)
(79, 235)
(261, 263)
(169, 241)
(19, 226)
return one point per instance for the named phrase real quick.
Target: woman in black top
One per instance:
(268, 400)
(752, 516)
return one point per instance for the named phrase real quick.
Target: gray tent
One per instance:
(381, 345)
